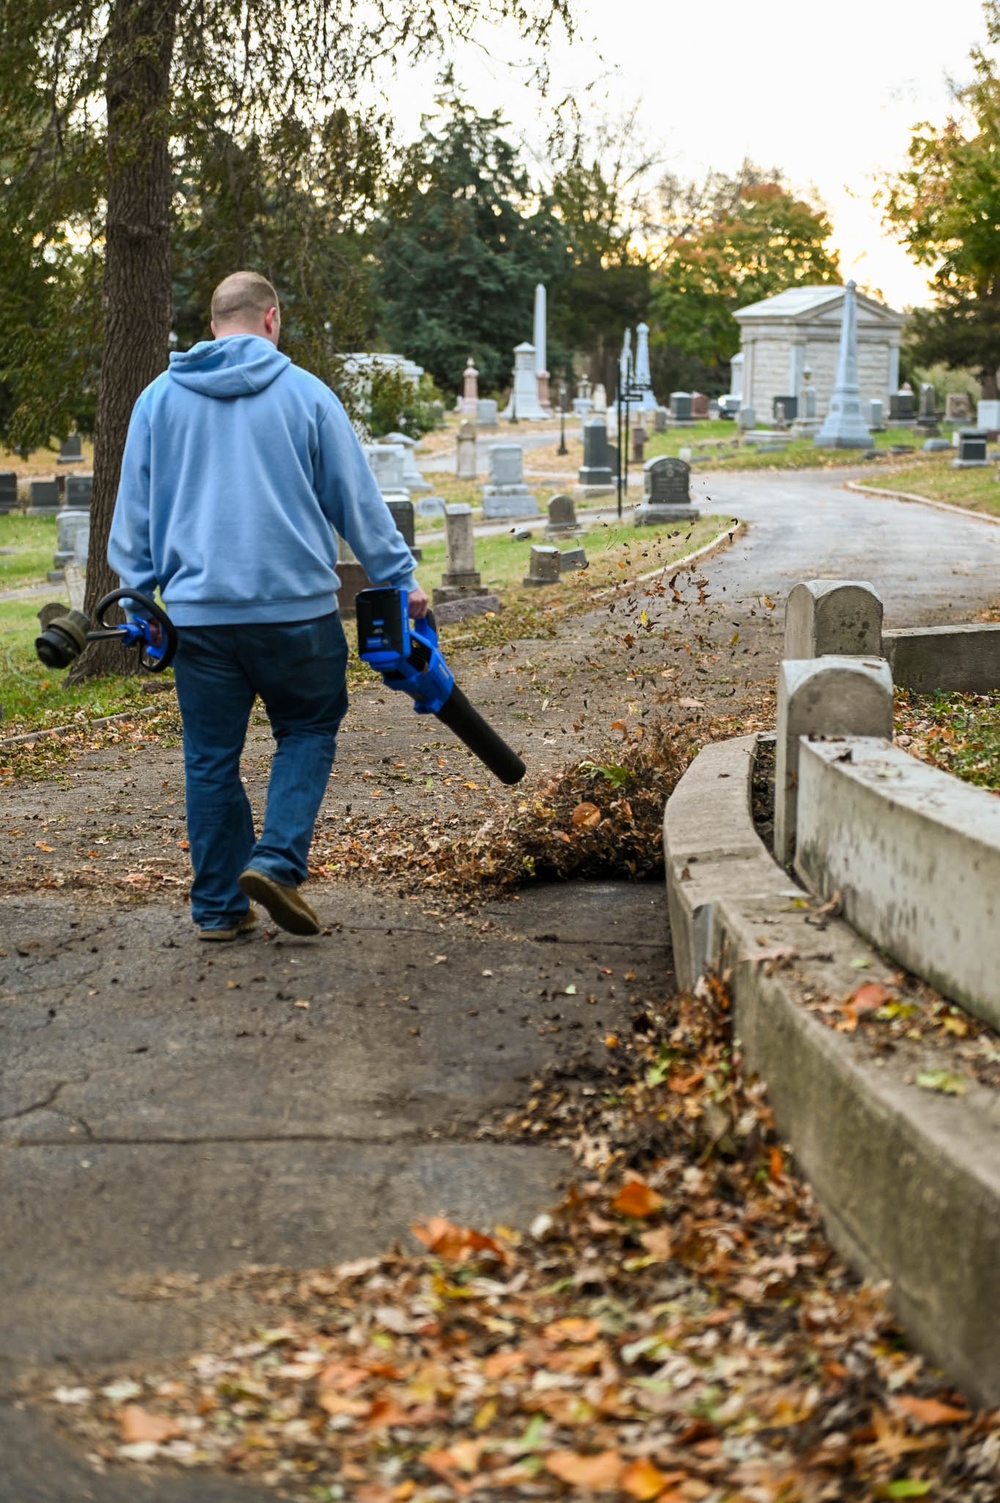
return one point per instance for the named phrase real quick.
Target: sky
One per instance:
(829, 94)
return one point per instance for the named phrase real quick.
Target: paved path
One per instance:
(164, 1109)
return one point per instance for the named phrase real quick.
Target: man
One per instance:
(238, 467)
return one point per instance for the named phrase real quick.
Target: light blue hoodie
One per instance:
(237, 468)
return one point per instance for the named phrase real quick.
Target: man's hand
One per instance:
(418, 604)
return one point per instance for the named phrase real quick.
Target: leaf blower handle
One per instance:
(479, 736)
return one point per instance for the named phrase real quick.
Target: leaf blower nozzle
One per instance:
(63, 640)
(408, 657)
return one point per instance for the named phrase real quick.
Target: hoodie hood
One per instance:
(236, 366)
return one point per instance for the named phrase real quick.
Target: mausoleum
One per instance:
(798, 332)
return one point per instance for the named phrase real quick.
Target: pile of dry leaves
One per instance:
(677, 1329)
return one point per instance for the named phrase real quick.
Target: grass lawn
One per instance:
(33, 697)
(976, 490)
(957, 732)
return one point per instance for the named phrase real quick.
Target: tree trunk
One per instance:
(137, 291)
(988, 378)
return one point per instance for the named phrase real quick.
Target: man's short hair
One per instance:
(245, 295)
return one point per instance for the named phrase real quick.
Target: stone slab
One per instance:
(915, 856)
(908, 1182)
(953, 659)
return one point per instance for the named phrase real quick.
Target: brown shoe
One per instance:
(243, 925)
(285, 904)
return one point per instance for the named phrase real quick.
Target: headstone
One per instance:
(8, 491)
(572, 558)
(387, 462)
(539, 336)
(746, 418)
(544, 566)
(840, 616)
(71, 451)
(666, 492)
(524, 404)
(901, 406)
(971, 450)
(927, 416)
(465, 465)
(562, 518)
(486, 413)
(583, 402)
(875, 423)
(699, 405)
(843, 428)
(789, 406)
(429, 506)
(934, 446)
(469, 399)
(600, 398)
(957, 407)
(660, 420)
(402, 515)
(72, 538)
(412, 478)
(680, 406)
(505, 494)
(825, 696)
(79, 489)
(641, 398)
(638, 445)
(43, 498)
(461, 578)
(988, 416)
(596, 473)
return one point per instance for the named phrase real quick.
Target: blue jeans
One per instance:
(299, 671)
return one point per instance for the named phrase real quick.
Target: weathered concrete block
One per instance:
(712, 851)
(826, 696)
(839, 616)
(955, 659)
(915, 855)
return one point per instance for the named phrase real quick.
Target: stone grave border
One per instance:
(908, 1180)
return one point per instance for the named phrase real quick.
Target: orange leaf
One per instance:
(636, 1198)
(455, 1243)
(41, 846)
(138, 1424)
(573, 1328)
(868, 998)
(602, 1472)
(643, 1479)
(586, 816)
(930, 1411)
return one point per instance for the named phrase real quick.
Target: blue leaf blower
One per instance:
(408, 657)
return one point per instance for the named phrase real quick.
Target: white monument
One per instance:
(641, 380)
(843, 427)
(541, 371)
(524, 404)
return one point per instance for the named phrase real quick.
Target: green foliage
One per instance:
(462, 243)
(732, 242)
(945, 209)
(396, 405)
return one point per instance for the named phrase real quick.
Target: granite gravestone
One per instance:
(699, 405)
(461, 585)
(666, 492)
(486, 412)
(43, 498)
(505, 494)
(680, 406)
(402, 515)
(412, 478)
(595, 474)
(465, 462)
(971, 450)
(562, 518)
(901, 406)
(543, 568)
(71, 451)
(8, 491)
(387, 462)
(79, 489)
(72, 538)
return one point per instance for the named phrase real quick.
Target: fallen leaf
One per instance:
(943, 1081)
(658, 1243)
(636, 1198)
(586, 816)
(137, 1424)
(643, 1479)
(930, 1411)
(602, 1472)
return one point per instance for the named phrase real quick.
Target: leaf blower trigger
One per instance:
(408, 657)
(64, 639)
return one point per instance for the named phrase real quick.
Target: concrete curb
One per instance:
(53, 732)
(908, 1182)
